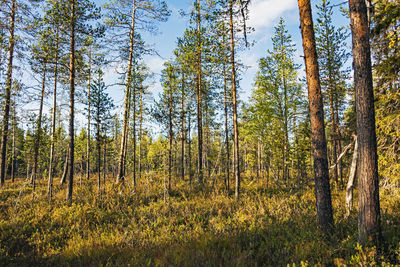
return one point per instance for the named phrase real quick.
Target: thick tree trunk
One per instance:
(321, 172)
(7, 94)
(53, 125)
(71, 103)
(122, 154)
(368, 199)
(234, 105)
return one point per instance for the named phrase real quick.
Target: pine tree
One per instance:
(322, 186)
(101, 105)
(125, 15)
(369, 229)
(332, 57)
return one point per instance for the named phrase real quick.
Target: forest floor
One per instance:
(266, 227)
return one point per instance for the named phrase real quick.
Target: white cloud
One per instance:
(155, 64)
(262, 13)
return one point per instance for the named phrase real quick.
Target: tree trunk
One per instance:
(368, 199)
(53, 126)
(104, 164)
(190, 149)
(170, 139)
(321, 172)
(98, 151)
(199, 101)
(13, 159)
(71, 103)
(234, 105)
(140, 136)
(7, 94)
(88, 119)
(134, 137)
(227, 160)
(122, 155)
(183, 128)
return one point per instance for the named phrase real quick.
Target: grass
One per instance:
(192, 227)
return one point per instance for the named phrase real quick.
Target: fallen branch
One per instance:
(341, 155)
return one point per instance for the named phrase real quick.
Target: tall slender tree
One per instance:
(322, 186)
(130, 16)
(7, 94)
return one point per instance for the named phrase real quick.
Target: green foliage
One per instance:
(385, 50)
(277, 106)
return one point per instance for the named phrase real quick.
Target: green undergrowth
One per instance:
(190, 227)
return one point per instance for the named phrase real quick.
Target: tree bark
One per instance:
(368, 200)
(7, 94)
(71, 155)
(321, 172)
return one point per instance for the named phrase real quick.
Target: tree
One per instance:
(322, 187)
(53, 17)
(234, 104)
(80, 12)
(101, 105)
(7, 94)
(332, 57)
(385, 48)
(165, 111)
(368, 198)
(123, 16)
(278, 85)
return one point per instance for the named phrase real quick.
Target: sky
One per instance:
(263, 16)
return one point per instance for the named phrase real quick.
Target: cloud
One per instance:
(262, 13)
(155, 63)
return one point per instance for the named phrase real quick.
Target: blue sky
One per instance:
(263, 16)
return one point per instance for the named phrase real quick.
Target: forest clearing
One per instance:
(200, 133)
